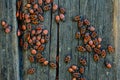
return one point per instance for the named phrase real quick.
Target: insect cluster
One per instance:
(33, 37)
(91, 40)
(91, 43)
(7, 28)
(34, 11)
(78, 71)
(31, 33)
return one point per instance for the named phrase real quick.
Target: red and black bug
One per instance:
(31, 71)
(57, 19)
(46, 7)
(38, 55)
(81, 48)
(96, 57)
(25, 45)
(82, 69)
(41, 60)
(108, 64)
(74, 67)
(88, 48)
(53, 65)
(70, 70)
(76, 18)
(80, 24)
(83, 61)
(77, 35)
(82, 30)
(62, 10)
(45, 63)
(94, 34)
(110, 49)
(98, 51)
(103, 53)
(87, 38)
(40, 2)
(86, 22)
(67, 58)
(41, 18)
(55, 7)
(31, 58)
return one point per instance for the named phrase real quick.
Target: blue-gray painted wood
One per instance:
(9, 57)
(103, 14)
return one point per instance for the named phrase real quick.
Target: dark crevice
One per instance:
(57, 56)
(79, 6)
(19, 47)
(50, 38)
(20, 61)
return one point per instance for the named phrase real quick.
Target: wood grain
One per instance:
(116, 28)
(100, 14)
(9, 57)
(40, 70)
(103, 14)
(53, 43)
(67, 41)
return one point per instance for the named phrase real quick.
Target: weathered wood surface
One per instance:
(116, 29)
(9, 57)
(100, 14)
(103, 14)
(43, 72)
(67, 41)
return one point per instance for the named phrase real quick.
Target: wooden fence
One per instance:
(103, 14)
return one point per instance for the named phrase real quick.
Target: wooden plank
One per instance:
(26, 63)
(100, 15)
(24, 55)
(53, 43)
(42, 72)
(87, 9)
(83, 11)
(62, 41)
(67, 41)
(98, 22)
(105, 21)
(9, 57)
(74, 11)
